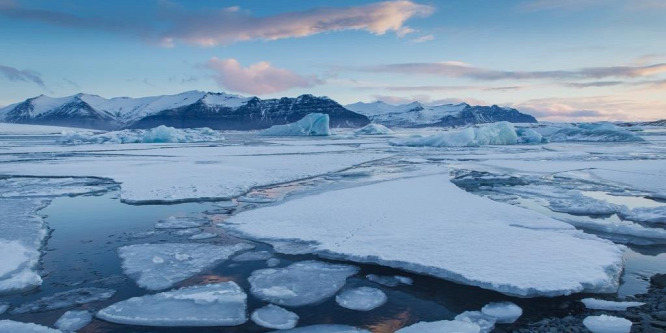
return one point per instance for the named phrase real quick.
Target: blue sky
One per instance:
(558, 59)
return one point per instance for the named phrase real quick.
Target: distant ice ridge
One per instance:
(607, 324)
(160, 266)
(313, 124)
(460, 236)
(218, 304)
(594, 132)
(160, 134)
(500, 133)
(373, 129)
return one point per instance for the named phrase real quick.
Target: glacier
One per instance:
(457, 240)
(313, 124)
(361, 298)
(217, 304)
(160, 134)
(273, 316)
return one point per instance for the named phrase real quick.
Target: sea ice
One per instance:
(373, 129)
(504, 312)
(501, 133)
(72, 321)
(179, 222)
(361, 299)
(272, 262)
(486, 323)
(312, 124)
(645, 214)
(607, 324)
(253, 256)
(326, 328)
(11, 326)
(453, 326)
(389, 281)
(203, 235)
(218, 304)
(601, 304)
(3, 307)
(594, 132)
(65, 299)
(301, 283)
(160, 266)
(452, 234)
(273, 316)
(160, 134)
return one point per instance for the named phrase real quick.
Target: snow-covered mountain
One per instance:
(416, 114)
(188, 109)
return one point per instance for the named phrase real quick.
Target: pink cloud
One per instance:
(592, 109)
(257, 79)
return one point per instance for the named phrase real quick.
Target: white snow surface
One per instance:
(607, 324)
(72, 321)
(11, 326)
(461, 237)
(602, 304)
(160, 266)
(373, 129)
(301, 283)
(273, 316)
(218, 304)
(500, 133)
(448, 326)
(160, 134)
(313, 124)
(503, 312)
(361, 298)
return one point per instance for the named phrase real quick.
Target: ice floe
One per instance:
(179, 222)
(19, 327)
(607, 324)
(595, 132)
(203, 235)
(441, 326)
(72, 321)
(389, 281)
(326, 328)
(373, 129)
(253, 256)
(452, 234)
(160, 134)
(160, 266)
(645, 214)
(313, 124)
(273, 316)
(503, 312)
(218, 304)
(272, 262)
(301, 283)
(486, 323)
(3, 308)
(501, 133)
(361, 298)
(65, 299)
(602, 304)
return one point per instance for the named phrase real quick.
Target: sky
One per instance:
(559, 60)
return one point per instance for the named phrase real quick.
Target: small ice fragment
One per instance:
(601, 304)
(203, 235)
(389, 281)
(505, 312)
(441, 326)
(253, 256)
(607, 324)
(72, 321)
(11, 326)
(273, 316)
(272, 262)
(326, 328)
(65, 299)
(485, 322)
(175, 222)
(218, 304)
(404, 280)
(361, 299)
(301, 283)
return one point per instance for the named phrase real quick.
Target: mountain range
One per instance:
(224, 111)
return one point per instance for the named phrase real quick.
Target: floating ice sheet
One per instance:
(326, 328)
(601, 304)
(486, 323)
(72, 321)
(441, 326)
(66, 299)
(19, 327)
(389, 281)
(361, 299)
(253, 256)
(273, 316)
(503, 312)
(607, 324)
(179, 222)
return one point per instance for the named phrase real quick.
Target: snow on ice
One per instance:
(301, 283)
(313, 124)
(461, 237)
(218, 304)
(607, 324)
(72, 321)
(602, 304)
(273, 316)
(160, 266)
(160, 134)
(361, 299)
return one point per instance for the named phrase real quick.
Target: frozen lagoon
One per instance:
(88, 221)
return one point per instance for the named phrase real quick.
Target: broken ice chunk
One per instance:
(361, 299)
(485, 322)
(607, 324)
(389, 281)
(175, 222)
(218, 304)
(160, 266)
(301, 283)
(504, 312)
(253, 256)
(3, 308)
(326, 328)
(272, 262)
(441, 326)
(273, 316)
(72, 321)
(373, 129)
(203, 235)
(65, 299)
(311, 124)
(601, 304)
(19, 327)
(645, 214)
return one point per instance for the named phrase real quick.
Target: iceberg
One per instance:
(301, 283)
(602, 304)
(160, 134)
(65, 299)
(529, 136)
(486, 323)
(326, 328)
(273, 316)
(160, 266)
(503, 312)
(594, 132)
(361, 299)
(441, 326)
(217, 304)
(72, 321)
(607, 324)
(313, 124)
(373, 129)
(19, 327)
(501, 133)
(451, 234)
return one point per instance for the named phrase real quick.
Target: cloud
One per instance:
(594, 108)
(577, 5)
(597, 84)
(172, 24)
(423, 39)
(457, 69)
(26, 75)
(259, 78)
